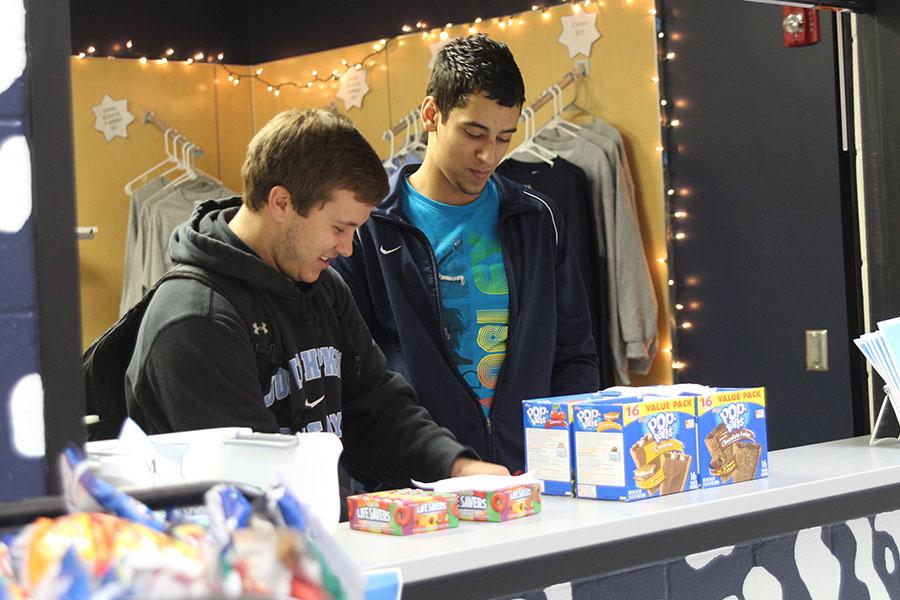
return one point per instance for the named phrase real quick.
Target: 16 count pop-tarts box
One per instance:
(635, 443)
(732, 436)
(634, 446)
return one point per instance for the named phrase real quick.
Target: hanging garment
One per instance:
(167, 211)
(632, 302)
(134, 256)
(154, 213)
(568, 186)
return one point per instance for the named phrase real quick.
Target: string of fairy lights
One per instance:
(673, 196)
(128, 49)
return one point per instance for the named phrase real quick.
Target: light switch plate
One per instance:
(816, 349)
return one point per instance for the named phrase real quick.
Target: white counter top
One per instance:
(799, 475)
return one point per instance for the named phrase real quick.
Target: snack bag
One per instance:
(85, 491)
(71, 580)
(102, 543)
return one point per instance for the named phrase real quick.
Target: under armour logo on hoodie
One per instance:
(260, 328)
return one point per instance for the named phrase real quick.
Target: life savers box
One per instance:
(732, 436)
(548, 442)
(635, 448)
(402, 512)
(504, 504)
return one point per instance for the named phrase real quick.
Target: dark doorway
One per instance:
(759, 170)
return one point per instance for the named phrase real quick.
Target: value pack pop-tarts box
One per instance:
(635, 447)
(732, 436)
(403, 512)
(505, 504)
(548, 441)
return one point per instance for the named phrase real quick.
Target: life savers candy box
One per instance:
(504, 504)
(548, 441)
(402, 512)
(732, 436)
(632, 448)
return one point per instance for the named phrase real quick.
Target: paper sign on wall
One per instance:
(112, 117)
(353, 88)
(579, 33)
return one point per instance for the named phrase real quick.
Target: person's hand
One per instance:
(463, 466)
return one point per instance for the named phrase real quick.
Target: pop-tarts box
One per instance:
(635, 447)
(732, 436)
(548, 441)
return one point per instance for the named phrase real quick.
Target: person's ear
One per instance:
(431, 114)
(279, 203)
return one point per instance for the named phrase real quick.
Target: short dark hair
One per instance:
(472, 65)
(311, 153)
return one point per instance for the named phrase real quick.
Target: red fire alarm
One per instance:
(801, 26)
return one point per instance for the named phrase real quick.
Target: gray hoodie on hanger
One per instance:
(633, 310)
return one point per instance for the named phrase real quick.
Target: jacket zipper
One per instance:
(442, 334)
(513, 309)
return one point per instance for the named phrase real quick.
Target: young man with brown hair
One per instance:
(466, 278)
(310, 180)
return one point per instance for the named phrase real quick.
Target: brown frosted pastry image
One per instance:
(721, 457)
(746, 457)
(637, 451)
(676, 466)
(645, 473)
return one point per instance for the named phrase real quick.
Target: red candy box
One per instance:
(403, 512)
(502, 504)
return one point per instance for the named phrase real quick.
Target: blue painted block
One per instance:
(18, 291)
(720, 577)
(637, 584)
(21, 476)
(14, 101)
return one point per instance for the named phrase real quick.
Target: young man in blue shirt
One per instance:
(465, 278)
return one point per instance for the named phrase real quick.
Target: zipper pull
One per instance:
(489, 426)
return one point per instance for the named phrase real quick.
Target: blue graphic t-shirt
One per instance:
(474, 291)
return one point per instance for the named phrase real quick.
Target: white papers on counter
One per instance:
(482, 483)
(882, 349)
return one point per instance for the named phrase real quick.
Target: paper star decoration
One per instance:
(353, 88)
(579, 33)
(112, 117)
(435, 48)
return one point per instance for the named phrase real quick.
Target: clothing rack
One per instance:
(86, 233)
(403, 124)
(580, 70)
(150, 118)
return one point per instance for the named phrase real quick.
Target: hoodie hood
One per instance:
(206, 241)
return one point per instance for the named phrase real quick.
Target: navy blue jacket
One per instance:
(550, 349)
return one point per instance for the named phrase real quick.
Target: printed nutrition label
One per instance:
(600, 458)
(548, 453)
